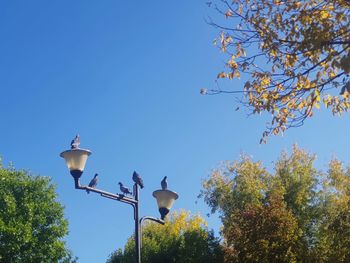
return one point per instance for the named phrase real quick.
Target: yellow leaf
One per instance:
(250, 96)
(265, 81)
(221, 75)
(273, 52)
(228, 14)
(325, 15)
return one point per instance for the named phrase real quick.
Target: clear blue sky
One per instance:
(126, 76)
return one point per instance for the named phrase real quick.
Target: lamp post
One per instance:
(76, 159)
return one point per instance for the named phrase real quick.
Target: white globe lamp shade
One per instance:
(76, 160)
(165, 200)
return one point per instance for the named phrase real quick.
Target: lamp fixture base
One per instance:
(163, 212)
(76, 175)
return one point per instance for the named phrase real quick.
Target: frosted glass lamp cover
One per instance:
(165, 200)
(76, 159)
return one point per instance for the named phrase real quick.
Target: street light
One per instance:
(165, 200)
(76, 159)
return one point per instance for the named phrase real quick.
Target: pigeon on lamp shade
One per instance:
(93, 183)
(75, 142)
(137, 179)
(124, 189)
(164, 183)
(345, 91)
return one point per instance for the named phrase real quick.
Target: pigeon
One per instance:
(137, 179)
(124, 189)
(75, 142)
(93, 183)
(164, 183)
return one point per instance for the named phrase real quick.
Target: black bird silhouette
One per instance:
(137, 179)
(164, 183)
(124, 189)
(93, 183)
(75, 142)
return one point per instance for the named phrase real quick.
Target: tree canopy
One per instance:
(293, 56)
(293, 214)
(183, 238)
(32, 222)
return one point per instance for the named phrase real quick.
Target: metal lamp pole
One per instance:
(134, 202)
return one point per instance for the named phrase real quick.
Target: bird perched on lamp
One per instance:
(75, 142)
(93, 183)
(124, 189)
(137, 179)
(164, 183)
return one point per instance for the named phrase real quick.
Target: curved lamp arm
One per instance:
(157, 220)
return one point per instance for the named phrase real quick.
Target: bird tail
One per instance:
(88, 191)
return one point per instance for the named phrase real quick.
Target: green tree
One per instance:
(334, 235)
(183, 238)
(295, 214)
(32, 222)
(293, 56)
